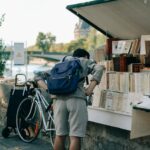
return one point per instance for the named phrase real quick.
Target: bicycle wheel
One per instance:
(28, 120)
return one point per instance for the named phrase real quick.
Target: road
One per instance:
(14, 143)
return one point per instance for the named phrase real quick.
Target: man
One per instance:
(70, 111)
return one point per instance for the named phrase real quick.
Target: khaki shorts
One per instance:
(70, 117)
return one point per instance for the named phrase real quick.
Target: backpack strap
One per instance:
(64, 58)
(86, 80)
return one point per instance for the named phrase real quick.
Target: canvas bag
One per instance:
(64, 77)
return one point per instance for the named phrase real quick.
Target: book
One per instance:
(123, 63)
(116, 63)
(131, 82)
(103, 98)
(126, 103)
(124, 82)
(96, 96)
(147, 48)
(142, 44)
(121, 46)
(145, 83)
(127, 47)
(135, 67)
(109, 47)
(132, 49)
(147, 56)
(109, 100)
(137, 82)
(113, 81)
(120, 102)
(135, 98)
(144, 104)
(115, 47)
(135, 47)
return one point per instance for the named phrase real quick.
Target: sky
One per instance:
(24, 19)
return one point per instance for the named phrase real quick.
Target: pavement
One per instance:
(13, 142)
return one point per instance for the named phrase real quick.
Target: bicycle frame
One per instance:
(41, 101)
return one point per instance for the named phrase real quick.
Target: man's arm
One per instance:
(90, 88)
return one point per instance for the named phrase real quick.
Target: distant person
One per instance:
(70, 111)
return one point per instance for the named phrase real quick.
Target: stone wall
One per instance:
(101, 137)
(5, 89)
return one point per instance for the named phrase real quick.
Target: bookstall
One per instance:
(122, 98)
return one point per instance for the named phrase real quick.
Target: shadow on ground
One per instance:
(14, 143)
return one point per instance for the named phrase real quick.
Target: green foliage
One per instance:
(60, 47)
(3, 58)
(2, 19)
(94, 40)
(76, 44)
(45, 41)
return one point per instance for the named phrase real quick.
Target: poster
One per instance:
(19, 54)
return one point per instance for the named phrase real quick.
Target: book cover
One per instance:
(115, 47)
(123, 63)
(131, 82)
(109, 47)
(96, 96)
(137, 79)
(145, 83)
(103, 99)
(116, 63)
(142, 44)
(135, 67)
(147, 56)
(109, 100)
(127, 46)
(121, 46)
(124, 82)
(132, 47)
(113, 81)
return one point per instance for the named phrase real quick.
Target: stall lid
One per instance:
(123, 19)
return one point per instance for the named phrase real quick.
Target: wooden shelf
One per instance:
(111, 118)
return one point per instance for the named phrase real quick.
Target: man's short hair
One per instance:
(81, 53)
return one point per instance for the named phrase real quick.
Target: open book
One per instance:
(144, 104)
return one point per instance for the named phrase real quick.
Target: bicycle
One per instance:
(34, 114)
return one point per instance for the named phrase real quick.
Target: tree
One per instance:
(45, 41)
(3, 56)
(2, 19)
(80, 43)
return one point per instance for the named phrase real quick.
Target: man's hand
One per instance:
(90, 88)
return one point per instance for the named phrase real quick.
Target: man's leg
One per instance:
(61, 124)
(59, 143)
(75, 143)
(77, 121)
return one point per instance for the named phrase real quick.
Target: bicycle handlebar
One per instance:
(31, 82)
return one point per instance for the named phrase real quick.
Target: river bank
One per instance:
(35, 65)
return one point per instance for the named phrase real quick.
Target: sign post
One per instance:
(20, 56)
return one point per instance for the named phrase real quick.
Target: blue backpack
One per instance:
(64, 77)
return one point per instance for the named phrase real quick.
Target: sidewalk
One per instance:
(14, 143)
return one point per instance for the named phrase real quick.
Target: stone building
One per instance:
(81, 29)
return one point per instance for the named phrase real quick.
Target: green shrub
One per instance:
(3, 58)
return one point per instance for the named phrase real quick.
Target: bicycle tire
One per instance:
(28, 120)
